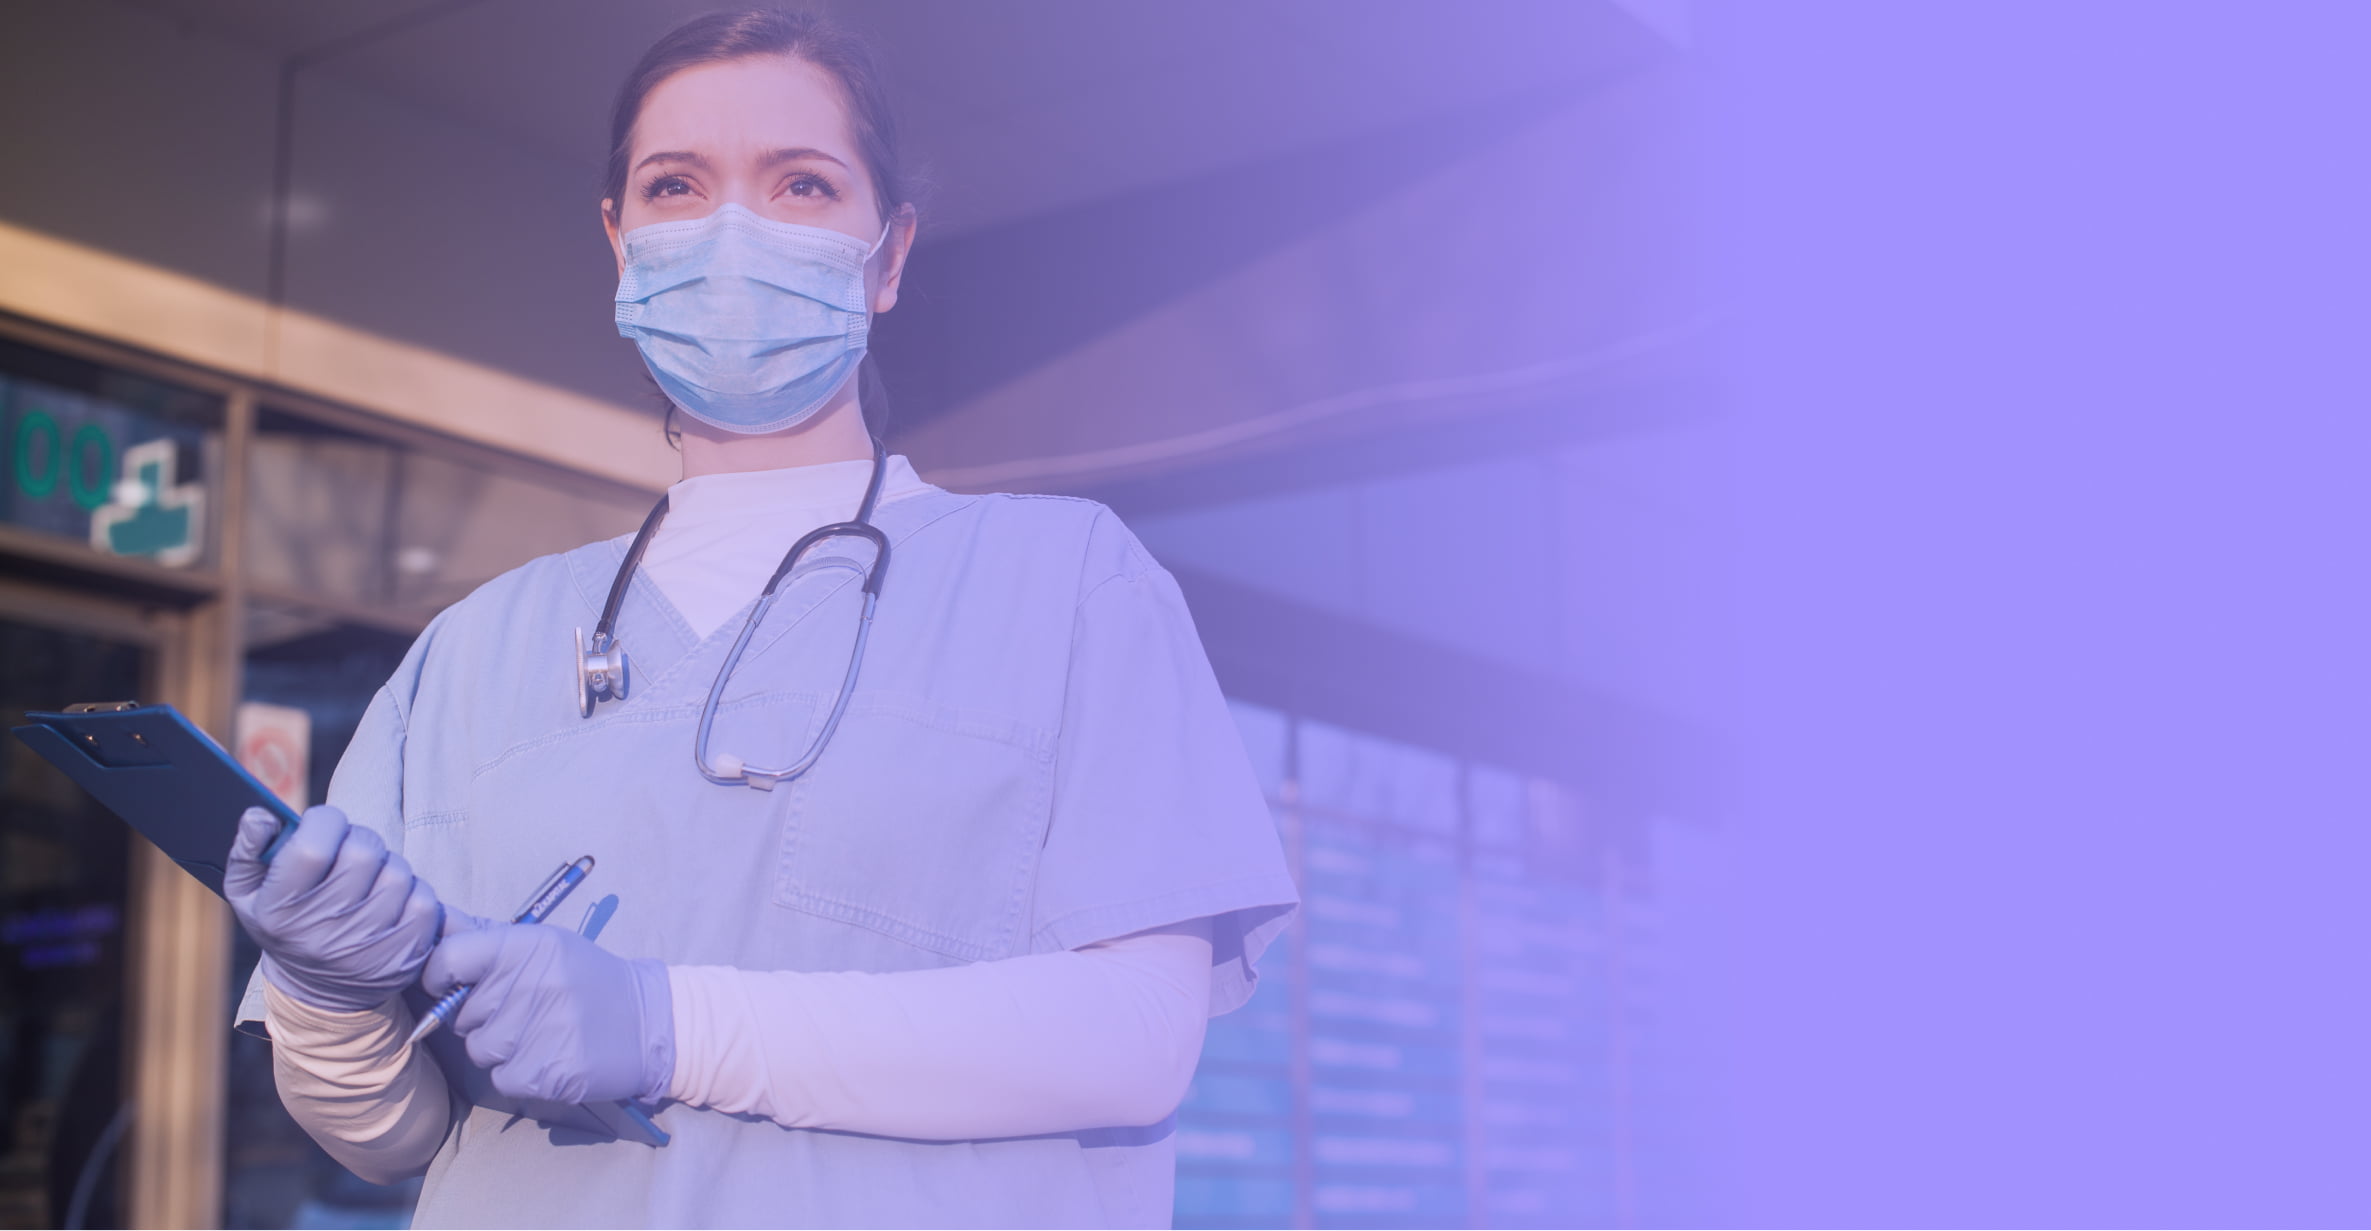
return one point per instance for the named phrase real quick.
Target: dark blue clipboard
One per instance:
(161, 775)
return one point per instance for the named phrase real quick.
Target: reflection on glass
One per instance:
(1363, 775)
(1385, 1022)
(63, 866)
(349, 517)
(118, 462)
(1447, 1036)
(1494, 800)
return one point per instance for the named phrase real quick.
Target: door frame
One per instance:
(176, 993)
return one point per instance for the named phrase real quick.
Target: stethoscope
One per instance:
(601, 671)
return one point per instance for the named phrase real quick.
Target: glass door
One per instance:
(65, 872)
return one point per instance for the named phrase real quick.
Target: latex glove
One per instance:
(555, 1016)
(343, 923)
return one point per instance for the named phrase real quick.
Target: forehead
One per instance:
(760, 103)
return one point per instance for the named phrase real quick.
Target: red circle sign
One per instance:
(271, 754)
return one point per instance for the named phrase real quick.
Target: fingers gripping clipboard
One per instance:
(150, 766)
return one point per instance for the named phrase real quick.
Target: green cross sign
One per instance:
(147, 513)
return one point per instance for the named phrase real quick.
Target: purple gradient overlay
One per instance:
(2046, 906)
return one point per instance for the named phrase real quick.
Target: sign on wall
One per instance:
(275, 743)
(111, 460)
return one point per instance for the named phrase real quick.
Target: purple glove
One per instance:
(343, 922)
(555, 1016)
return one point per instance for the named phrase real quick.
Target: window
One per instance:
(341, 516)
(1438, 1040)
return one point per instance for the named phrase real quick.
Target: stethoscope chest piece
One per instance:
(600, 671)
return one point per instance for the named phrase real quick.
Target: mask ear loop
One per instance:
(895, 216)
(886, 228)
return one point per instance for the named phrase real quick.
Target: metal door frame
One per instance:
(176, 933)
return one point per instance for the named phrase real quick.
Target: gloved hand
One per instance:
(343, 922)
(555, 1016)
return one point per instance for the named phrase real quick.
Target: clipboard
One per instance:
(163, 776)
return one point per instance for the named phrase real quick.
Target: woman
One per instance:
(928, 940)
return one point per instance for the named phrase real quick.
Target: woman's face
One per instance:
(768, 134)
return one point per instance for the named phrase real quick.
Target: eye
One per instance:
(813, 186)
(666, 186)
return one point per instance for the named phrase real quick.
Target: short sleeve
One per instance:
(368, 788)
(1157, 815)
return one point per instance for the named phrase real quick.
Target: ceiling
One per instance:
(1011, 109)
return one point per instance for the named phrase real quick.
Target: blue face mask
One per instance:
(749, 325)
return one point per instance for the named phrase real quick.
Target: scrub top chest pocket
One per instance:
(923, 823)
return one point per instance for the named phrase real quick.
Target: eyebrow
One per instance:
(771, 158)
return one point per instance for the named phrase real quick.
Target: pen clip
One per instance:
(597, 918)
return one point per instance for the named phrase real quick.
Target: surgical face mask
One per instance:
(748, 324)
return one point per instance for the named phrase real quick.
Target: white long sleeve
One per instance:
(1106, 1035)
(1101, 1036)
(374, 1102)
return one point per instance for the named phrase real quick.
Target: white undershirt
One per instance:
(1104, 1035)
(724, 534)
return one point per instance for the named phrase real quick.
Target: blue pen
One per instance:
(538, 908)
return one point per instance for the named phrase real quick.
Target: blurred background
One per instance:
(1381, 323)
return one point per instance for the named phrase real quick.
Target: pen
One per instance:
(539, 907)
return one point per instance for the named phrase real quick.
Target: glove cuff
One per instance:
(317, 995)
(656, 1002)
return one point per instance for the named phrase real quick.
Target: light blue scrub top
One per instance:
(1036, 757)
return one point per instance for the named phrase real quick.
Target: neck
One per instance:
(835, 434)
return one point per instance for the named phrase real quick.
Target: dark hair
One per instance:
(741, 34)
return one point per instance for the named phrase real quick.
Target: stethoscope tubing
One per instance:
(768, 779)
(739, 773)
